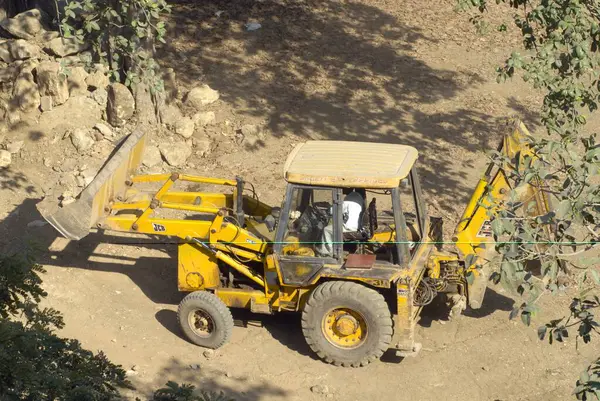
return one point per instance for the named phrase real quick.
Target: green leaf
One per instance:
(542, 332)
(470, 259)
(595, 275)
(526, 318)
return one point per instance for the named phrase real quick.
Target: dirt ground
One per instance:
(377, 70)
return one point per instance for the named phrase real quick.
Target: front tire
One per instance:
(347, 324)
(205, 319)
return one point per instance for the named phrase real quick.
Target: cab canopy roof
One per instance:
(349, 164)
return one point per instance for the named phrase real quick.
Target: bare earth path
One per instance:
(396, 71)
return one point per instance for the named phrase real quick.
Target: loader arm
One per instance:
(473, 234)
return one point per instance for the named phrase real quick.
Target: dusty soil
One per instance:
(402, 72)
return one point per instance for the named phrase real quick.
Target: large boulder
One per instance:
(76, 81)
(175, 153)
(62, 47)
(25, 25)
(152, 156)
(201, 96)
(52, 81)
(12, 50)
(26, 92)
(97, 80)
(121, 105)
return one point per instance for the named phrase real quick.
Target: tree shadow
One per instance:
(332, 70)
(214, 380)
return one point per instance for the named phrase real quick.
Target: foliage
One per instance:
(561, 57)
(185, 392)
(35, 363)
(122, 34)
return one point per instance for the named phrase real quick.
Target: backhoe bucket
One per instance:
(473, 235)
(74, 220)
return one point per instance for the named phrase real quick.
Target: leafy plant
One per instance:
(35, 363)
(122, 34)
(175, 392)
(559, 55)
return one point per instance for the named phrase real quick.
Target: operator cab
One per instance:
(336, 212)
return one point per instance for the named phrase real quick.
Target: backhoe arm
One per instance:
(473, 234)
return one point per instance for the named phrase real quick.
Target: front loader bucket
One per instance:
(74, 220)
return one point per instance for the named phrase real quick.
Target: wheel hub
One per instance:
(344, 328)
(201, 323)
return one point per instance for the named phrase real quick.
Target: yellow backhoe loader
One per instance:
(359, 287)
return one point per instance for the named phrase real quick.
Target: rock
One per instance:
(103, 129)
(229, 374)
(47, 36)
(201, 96)
(62, 47)
(209, 354)
(12, 50)
(29, 65)
(36, 224)
(185, 127)
(46, 103)
(195, 366)
(97, 136)
(81, 140)
(26, 93)
(144, 108)
(52, 82)
(320, 389)
(13, 117)
(100, 95)
(205, 118)
(5, 158)
(134, 367)
(250, 130)
(68, 165)
(175, 153)
(131, 373)
(10, 72)
(170, 83)
(76, 80)
(15, 146)
(25, 25)
(97, 80)
(88, 176)
(152, 156)
(203, 146)
(170, 115)
(120, 106)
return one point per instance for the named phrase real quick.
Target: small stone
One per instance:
(252, 141)
(28, 65)
(46, 103)
(120, 106)
(81, 140)
(25, 25)
(5, 158)
(80, 181)
(209, 354)
(52, 82)
(203, 146)
(114, 340)
(62, 47)
(97, 80)
(67, 201)
(100, 95)
(88, 176)
(204, 118)
(121, 328)
(185, 127)
(76, 81)
(47, 36)
(228, 374)
(250, 130)
(26, 93)
(68, 165)
(131, 373)
(485, 368)
(15, 146)
(103, 129)
(320, 389)
(47, 162)
(36, 223)
(97, 136)
(175, 153)
(13, 117)
(152, 156)
(195, 366)
(9, 73)
(201, 96)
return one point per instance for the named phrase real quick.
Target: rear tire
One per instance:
(347, 324)
(205, 319)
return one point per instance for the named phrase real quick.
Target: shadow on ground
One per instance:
(333, 70)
